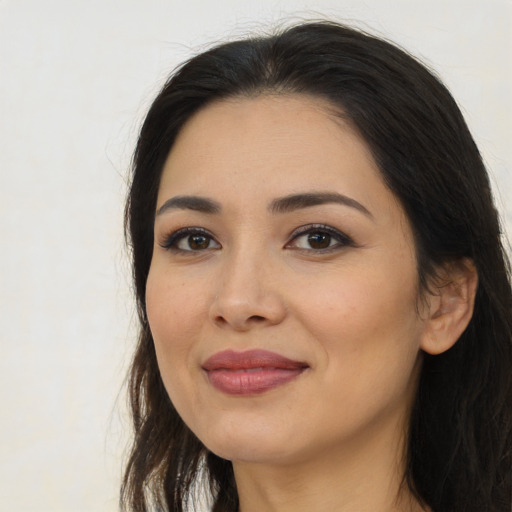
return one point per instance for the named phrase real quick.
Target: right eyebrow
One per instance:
(195, 203)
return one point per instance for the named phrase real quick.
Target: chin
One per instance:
(250, 452)
(241, 443)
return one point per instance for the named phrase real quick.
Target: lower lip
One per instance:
(253, 381)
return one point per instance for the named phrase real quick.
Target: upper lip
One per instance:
(233, 360)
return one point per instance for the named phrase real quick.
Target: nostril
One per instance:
(257, 318)
(254, 319)
(220, 320)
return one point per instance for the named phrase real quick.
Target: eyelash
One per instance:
(313, 229)
(171, 241)
(342, 240)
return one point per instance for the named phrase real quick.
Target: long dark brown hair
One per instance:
(460, 432)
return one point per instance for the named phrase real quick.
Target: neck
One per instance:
(365, 476)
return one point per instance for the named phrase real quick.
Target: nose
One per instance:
(248, 295)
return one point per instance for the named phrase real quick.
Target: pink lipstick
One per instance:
(250, 372)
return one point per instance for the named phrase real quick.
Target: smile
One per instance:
(251, 372)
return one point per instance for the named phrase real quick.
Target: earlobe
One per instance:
(451, 305)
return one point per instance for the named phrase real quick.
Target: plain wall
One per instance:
(75, 80)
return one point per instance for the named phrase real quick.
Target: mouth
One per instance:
(250, 372)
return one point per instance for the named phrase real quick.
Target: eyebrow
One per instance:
(195, 203)
(280, 205)
(298, 201)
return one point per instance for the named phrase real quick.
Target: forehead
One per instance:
(290, 139)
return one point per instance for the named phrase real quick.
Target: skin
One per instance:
(332, 438)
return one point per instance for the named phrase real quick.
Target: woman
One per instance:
(324, 299)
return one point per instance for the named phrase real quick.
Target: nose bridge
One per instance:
(247, 293)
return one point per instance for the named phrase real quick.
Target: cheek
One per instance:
(367, 326)
(175, 314)
(370, 342)
(361, 300)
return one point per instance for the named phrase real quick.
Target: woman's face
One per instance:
(283, 289)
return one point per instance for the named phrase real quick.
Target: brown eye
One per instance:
(316, 241)
(190, 240)
(197, 242)
(319, 240)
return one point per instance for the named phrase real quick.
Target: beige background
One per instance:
(75, 80)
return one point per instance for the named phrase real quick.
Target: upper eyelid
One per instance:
(311, 228)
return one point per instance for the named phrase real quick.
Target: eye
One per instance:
(319, 238)
(190, 240)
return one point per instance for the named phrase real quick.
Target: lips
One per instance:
(250, 372)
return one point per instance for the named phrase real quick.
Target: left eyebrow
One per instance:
(306, 200)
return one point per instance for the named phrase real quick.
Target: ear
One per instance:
(450, 305)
